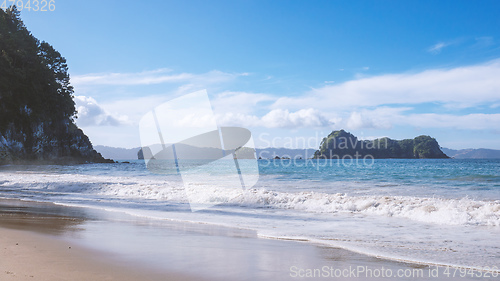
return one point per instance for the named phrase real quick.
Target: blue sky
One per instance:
(286, 70)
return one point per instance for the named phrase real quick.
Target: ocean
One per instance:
(431, 211)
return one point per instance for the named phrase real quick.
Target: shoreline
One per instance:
(108, 246)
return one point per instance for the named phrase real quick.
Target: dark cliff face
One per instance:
(341, 144)
(37, 110)
(47, 143)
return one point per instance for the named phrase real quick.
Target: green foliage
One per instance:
(34, 79)
(426, 147)
(36, 98)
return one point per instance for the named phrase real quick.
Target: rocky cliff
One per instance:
(47, 143)
(37, 110)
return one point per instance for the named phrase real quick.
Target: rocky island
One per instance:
(340, 144)
(37, 110)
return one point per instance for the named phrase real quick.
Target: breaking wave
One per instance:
(49, 187)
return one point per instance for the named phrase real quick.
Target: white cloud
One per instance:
(484, 42)
(386, 118)
(232, 107)
(92, 114)
(436, 49)
(357, 121)
(376, 102)
(476, 121)
(378, 118)
(238, 119)
(157, 76)
(465, 86)
(277, 118)
(241, 102)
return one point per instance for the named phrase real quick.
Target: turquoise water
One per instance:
(448, 178)
(435, 211)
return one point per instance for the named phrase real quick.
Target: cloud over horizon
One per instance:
(375, 102)
(277, 118)
(464, 87)
(90, 113)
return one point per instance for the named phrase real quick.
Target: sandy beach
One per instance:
(31, 256)
(32, 248)
(41, 241)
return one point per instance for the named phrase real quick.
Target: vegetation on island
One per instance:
(340, 144)
(37, 110)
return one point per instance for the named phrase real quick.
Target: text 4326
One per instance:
(30, 5)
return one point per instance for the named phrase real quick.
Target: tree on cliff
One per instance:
(37, 110)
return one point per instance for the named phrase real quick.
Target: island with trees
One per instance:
(341, 144)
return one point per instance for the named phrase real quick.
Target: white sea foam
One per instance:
(464, 211)
(460, 231)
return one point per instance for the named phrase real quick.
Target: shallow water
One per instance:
(442, 211)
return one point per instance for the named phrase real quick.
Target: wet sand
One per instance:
(32, 248)
(44, 241)
(31, 256)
